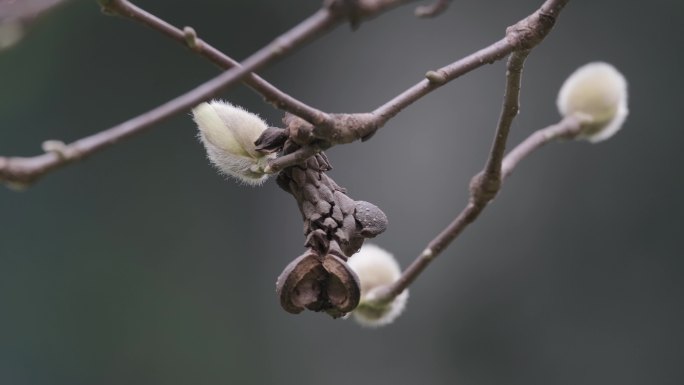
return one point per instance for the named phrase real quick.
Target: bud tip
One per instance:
(376, 268)
(228, 133)
(597, 92)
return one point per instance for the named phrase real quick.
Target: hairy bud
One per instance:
(375, 269)
(596, 92)
(228, 133)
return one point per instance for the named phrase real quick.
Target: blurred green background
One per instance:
(141, 265)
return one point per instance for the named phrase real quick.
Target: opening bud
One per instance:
(596, 92)
(375, 269)
(228, 133)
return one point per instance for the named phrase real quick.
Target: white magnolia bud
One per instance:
(376, 268)
(228, 133)
(597, 92)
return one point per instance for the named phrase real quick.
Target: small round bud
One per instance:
(596, 92)
(228, 133)
(376, 268)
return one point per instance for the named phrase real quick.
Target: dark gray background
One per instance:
(142, 266)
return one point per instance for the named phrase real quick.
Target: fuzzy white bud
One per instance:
(376, 268)
(228, 133)
(596, 92)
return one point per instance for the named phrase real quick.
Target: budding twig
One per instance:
(24, 171)
(484, 186)
(567, 128)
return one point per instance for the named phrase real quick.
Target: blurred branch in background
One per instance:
(17, 15)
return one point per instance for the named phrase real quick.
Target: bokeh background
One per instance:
(141, 265)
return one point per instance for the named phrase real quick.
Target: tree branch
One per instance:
(526, 34)
(23, 171)
(568, 128)
(346, 128)
(189, 38)
(483, 187)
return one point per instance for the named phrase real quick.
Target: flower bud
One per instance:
(596, 92)
(228, 133)
(376, 268)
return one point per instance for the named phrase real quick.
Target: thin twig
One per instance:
(567, 128)
(21, 171)
(294, 157)
(187, 37)
(509, 110)
(525, 34)
(484, 185)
